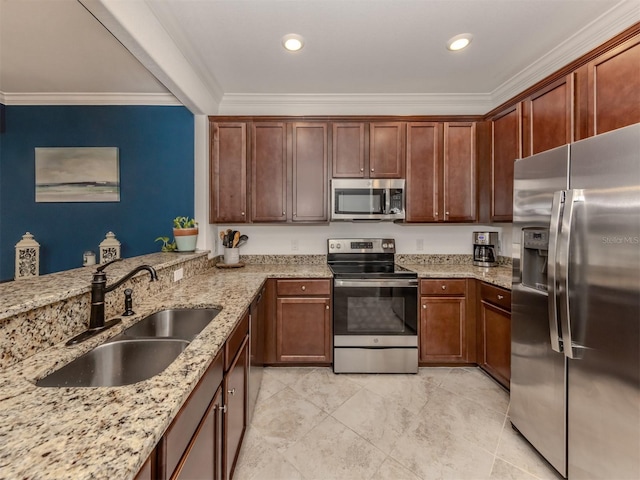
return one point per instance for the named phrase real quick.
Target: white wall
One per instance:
(312, 239)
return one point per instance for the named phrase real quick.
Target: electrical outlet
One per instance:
(294, 245)
(177, 274)
(420, 244)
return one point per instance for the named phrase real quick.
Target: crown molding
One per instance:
(88, 99)
(354, 104)
(608, 25)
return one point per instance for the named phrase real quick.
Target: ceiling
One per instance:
(360, 56)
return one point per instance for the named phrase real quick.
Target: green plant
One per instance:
(184, 222)
(166, 245)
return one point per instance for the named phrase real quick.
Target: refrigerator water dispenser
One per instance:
(534, 258)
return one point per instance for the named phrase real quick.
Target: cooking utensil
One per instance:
(222, 237)
(236, 239)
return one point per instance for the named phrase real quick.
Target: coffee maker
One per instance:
(485, 249)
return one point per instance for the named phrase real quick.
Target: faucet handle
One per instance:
(128, 303)
(105, 265)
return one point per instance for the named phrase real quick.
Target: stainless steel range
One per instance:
(375, 308)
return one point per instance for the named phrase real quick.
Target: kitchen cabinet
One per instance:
(228, 173)
(310, 183)
(494, 332)
(146, 471)
(613, 82)
(547, 117)
(268, 172)
(441, 180)
(303, 321)
(424, 153)
(506, 147)
(368, 150)
(235, 401)
(445, 330)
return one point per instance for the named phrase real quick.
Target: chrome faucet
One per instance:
(98, 290)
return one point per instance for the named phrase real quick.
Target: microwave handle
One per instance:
(386, 197)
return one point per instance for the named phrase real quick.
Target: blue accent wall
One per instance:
(156, 154)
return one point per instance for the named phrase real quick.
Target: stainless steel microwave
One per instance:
(356, 199)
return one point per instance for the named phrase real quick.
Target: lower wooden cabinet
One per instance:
(444, 324)
(494, 332)
(235, 413)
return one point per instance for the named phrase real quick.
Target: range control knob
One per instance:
(332, 246)
(338, 246)
(384, 245)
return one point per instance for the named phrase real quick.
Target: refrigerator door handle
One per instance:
(557, 208)
(571, 198)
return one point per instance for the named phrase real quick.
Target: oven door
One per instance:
(376, 312)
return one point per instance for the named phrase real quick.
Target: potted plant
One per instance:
(185, 232)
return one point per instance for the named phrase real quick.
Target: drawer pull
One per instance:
(500, 297)
(232, 391)
(326, 307)
(444, 287)
(424, 307)
(303, 288)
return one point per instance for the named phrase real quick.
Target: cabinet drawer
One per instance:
(234, 342)
(495, 295)
(303, 287)
(181, 430)
(443, 287)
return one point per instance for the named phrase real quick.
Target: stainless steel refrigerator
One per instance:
(575, 361)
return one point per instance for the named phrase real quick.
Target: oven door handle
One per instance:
(376, 283)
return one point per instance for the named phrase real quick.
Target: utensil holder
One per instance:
(231, 256)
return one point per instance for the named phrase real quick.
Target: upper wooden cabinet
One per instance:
(424, 151)
(269, 172)
(310, 183)
(613, 98)
(506, 147)
(382, 156)
(228, 198)
(547, 117)
(459, 172)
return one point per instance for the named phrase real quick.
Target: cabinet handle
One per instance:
(436, 214)
(231, 392)
(242, 213)
(444, 287)
(373, 169)
(500, 297)
(303, 288)
(446, 213)
(326, 307)
(223, 408)
(424, 307)
(295, 214)
(284, 213)
(362, 169)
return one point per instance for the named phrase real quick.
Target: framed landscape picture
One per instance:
(77, 174)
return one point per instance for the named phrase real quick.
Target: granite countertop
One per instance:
(109, 432)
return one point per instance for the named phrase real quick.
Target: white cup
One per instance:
(231, 256)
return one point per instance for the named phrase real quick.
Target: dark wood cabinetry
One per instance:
(445, 330)
(424, 151)
(235, 401)
(310, 184)
(269, 172)
(228, 180)
(494, 332)
(303, 321)
(506, 147)
(368, 149)
(459, 172)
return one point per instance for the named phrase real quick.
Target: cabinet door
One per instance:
(496, 342)
(424, 141)
(442, 329)
(203, 459)
(386, 150)
(613, 86)
(547, 117)
(310, 177)
(235, 401)
(228, 173)
(506, 148)
(459, 172)
(348, 150)
(303, 330)
(269, 172)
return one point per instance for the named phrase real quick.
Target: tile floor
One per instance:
(443, 423)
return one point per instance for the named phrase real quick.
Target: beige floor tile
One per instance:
(514, 449)
(377, 419)
(434, 374)
(409, 391)
(259, 460)
(432, 453)
(464, 418)
(392, 470)
(287, 375)
(269, 387)
(285, 417)
(505, 471)
(475, 385)
(331, 451)
(325, 389)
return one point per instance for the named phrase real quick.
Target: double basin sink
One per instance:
(140, 352)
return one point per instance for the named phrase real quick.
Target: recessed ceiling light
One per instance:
(292, 42)
(459, 41)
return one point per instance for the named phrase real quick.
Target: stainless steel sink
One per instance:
(184, 323)
(116, 363)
